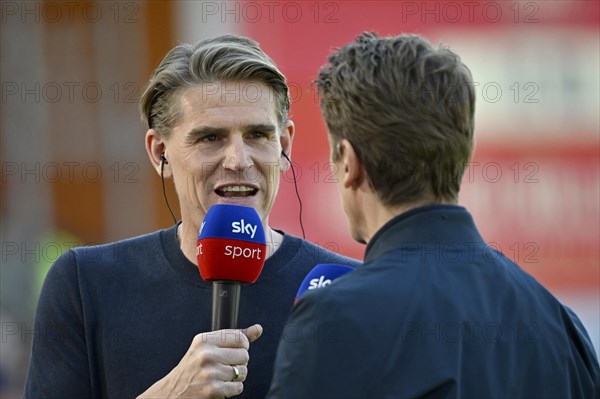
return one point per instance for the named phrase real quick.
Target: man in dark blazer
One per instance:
(434, 312)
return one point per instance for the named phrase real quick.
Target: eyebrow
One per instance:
(260, 126)
(207, 130)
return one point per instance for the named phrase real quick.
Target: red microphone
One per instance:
(231, 250)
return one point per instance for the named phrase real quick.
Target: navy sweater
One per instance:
(114, 319)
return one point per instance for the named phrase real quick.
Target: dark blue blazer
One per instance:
(434, 312)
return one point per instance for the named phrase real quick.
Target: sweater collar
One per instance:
(175, 257)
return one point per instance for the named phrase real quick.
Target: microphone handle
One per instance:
(225, 304)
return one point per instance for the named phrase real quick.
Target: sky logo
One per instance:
(242, 227)
(318, 283)
(321, 276)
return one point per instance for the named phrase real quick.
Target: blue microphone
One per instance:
(321, 276)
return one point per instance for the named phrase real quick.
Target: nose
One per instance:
(236, 155)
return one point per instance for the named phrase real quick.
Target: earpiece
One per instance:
(163, 158)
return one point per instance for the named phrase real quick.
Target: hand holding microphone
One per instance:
(215, 366)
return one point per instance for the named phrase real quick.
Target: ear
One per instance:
(353, 172)
(155, 147)
(285, 139)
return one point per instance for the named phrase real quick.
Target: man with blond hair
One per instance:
(132, 318)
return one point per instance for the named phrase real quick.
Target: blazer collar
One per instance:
(425, 226)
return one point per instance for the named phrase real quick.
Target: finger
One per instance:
(224, 339)
(253, 332)
(225, 356)
(230, 389)
(243, 370)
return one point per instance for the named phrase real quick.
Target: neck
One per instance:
(187, 235)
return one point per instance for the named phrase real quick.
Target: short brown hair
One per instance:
(220, 59)
(407, 107)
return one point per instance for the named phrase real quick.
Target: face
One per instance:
(226, 148)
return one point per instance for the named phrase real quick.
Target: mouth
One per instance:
(236, 191)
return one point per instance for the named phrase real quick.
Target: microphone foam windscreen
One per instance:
(231, 244)
(322, 275)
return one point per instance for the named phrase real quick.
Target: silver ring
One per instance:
(236, 373)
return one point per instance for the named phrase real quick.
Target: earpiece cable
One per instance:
(162, 179)
(297, 193)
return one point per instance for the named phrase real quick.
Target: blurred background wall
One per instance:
(74, 168)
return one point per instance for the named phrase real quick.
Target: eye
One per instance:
(209, 138)
(258, 134)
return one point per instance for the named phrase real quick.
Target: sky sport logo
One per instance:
(235, 251)
(244, 228)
